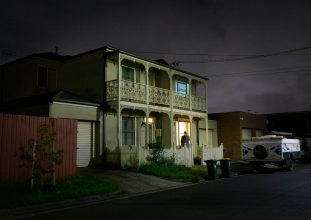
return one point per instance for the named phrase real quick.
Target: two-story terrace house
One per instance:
(142, 101)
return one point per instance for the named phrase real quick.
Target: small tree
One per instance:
(43, 157)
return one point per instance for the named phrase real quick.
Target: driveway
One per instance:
(132, 183)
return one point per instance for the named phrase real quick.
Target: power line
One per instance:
(208, 54)
(243, 58)
(282, 69)
(259, 73)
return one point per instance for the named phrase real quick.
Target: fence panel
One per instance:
(18, 131)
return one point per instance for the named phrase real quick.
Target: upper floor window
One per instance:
(128, 74)
(182, 87)
(131, 74)
(46, 78)
(42, 79)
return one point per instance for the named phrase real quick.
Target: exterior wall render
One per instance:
(84, 75)
(87, 73)
(25, 71)
(64, 110)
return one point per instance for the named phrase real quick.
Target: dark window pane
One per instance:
(42, 77)
(127, 74)
(128, 131)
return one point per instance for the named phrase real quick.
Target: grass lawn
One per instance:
(173, 172)
(16, 195)
(187, 174)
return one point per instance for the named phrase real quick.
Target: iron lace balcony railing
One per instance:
(198, 103)
(159, 96)
(181, 101)
(136, 92)
(129, 91)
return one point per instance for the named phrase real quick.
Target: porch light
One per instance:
(150, 120)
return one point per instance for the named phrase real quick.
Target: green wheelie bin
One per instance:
(211, 169)
(225, 165)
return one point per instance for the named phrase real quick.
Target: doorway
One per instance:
(181, 127)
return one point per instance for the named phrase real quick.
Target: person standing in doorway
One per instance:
(185, 140)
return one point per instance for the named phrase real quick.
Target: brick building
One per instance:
(232, 127)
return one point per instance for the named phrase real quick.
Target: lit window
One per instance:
(181, 87)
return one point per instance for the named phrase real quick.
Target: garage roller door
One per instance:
(85, 143)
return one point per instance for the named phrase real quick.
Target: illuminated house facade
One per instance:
(141, 101)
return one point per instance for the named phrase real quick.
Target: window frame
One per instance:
(246, 129)
(131, 132)
(51, 77)
(179, 82)
(123, 72)
(39, 85)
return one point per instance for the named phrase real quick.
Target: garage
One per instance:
(67, 105)
(85, 143)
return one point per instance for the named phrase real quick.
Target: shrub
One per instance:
(157, 155)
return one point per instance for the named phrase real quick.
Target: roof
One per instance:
(35, 100)
(60, 58)
(68, 97)
(287, 114)
(160, 62)
(47, 55)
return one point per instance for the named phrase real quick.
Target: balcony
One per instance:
(137, 93)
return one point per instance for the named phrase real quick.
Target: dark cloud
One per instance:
(214, 27)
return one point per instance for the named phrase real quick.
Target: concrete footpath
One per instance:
(130, 184)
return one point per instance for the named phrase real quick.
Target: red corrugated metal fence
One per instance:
(17, 131)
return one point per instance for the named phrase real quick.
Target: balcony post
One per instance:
(171, 93)
(190, 96)
(206, 132)
(191, 140)
(147, 84)
(205, 85)
(119, 101)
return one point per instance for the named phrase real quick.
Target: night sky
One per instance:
(219, 39)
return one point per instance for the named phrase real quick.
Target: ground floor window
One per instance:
(128, 131)
(151, 125)
(181, 127)
(211, 141)
(259, 133)
(246, 133)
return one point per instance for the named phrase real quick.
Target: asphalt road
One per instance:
(279, 195)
